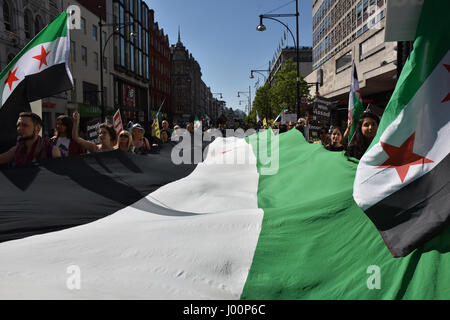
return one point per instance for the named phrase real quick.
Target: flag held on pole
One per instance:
(402, 181)
(40, 70)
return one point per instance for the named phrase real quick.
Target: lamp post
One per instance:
(249, 95)
(262, 27)
(260, 72)
(213, 93)
(117, 27)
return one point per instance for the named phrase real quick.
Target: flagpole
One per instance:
(160, 109)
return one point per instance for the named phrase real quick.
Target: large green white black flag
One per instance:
(38, 71)
(403, 182)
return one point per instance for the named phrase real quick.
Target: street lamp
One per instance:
(260, 72)
(218, 93)
(262, 27)
(249, 95)
(117, 27)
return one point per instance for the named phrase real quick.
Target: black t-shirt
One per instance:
(333, 148)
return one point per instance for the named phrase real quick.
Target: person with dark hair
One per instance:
(63, 138)
(30, 146)
(323, 135)
(336, 141)
(107, 137)
(291, 125)
(365, 131)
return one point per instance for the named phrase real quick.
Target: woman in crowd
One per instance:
(365, 131)
(140, 143)
(63, 137)
(323, 135)
(336, 141)
(125, 142)
(107, 137)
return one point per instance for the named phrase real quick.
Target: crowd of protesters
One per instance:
(66, 140)
(333, 138)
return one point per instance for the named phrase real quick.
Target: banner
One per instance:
(118, 126)
(92, 131)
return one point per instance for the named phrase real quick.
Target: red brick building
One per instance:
(159, 69)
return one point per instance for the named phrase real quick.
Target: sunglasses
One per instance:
(123, 135)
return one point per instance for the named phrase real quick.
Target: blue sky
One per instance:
(222, 36)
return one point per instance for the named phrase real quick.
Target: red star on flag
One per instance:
(42, 57)
(11, 78)
(447, 98)
(403, 157)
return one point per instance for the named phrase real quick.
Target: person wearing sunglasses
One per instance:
(125, 142)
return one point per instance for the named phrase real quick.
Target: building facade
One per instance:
(305, 61)
(131, 64)
(84, 64)
(191, 97)
(346, 31)
(160, 85)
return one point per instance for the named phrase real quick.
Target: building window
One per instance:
(73, 52)
(344, 62)
(122, 52)
(38, 25)
(7, 15)
(132, 58)
(94, 32)
(84, 55)
(90, 96)
(27, 24)
(140, 63)
(73, 97)
(83, 25)
(104, 39)
(95, 56)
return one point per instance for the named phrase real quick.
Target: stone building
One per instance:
(159, 70)
(189, 92)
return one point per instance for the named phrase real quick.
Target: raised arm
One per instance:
(347, 131)
(8, 156)
(90, 146)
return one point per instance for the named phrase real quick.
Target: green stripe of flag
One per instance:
(429, 49)
(56, 29)
(315, 243)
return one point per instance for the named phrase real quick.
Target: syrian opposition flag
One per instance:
(282, 112)
(39, 70)
(197, 123)
(355, 105)
(403, 180)
(207, 118)
(118, 126)
(234, 226)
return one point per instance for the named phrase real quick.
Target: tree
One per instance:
(284, 91)
(262, 103)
